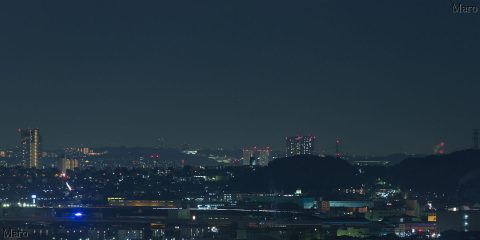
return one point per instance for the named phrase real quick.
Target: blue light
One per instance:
(78, 214)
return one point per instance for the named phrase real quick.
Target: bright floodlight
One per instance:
(78, 214)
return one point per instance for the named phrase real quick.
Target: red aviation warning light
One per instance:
(439, 149)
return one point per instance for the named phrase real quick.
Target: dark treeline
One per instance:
(457, 173)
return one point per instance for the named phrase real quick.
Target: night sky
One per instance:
(384, 76)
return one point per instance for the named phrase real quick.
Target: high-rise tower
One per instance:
(299, 145)
(30, 147)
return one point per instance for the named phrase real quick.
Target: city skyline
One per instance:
(328, 148)
(240, 120)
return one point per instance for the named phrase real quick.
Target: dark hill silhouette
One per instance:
(313, 174)
(457, 174)
(440, 173)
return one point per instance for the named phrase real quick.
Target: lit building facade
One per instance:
(256, 156)
(299, 145)
(30, 147)
(263, 156)
(67, 164)
(458, 220)
(248, 156)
